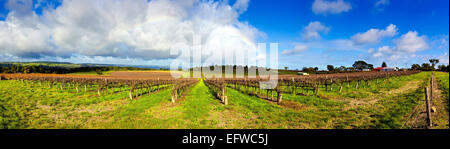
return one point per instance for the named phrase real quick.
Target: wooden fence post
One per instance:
(130, 94)
(131, 91)
(427, 102)
(174, 96)
(223, 95)
(225, 100)
(279, 97)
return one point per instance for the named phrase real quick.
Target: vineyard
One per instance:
(344, 100)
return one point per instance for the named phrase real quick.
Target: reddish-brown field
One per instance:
(114, 75)
(145, 74)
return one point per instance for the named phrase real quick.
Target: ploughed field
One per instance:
(146, 74)
(154, 100)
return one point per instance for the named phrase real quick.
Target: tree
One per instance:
(383, 64)
(286, 68)
(360, 65)
(350, 69)
(434, 62)
(99, 72)
(26, 69)
(41, 70)
(370, 66)
(442, 68)
(342, 68)
(310, 69)
(13, 69)
(415, 67)
(330, 67)
(426, 67)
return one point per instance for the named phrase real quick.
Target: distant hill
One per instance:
(74, 65)
(66, 67)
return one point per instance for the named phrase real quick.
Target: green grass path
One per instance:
(198, 103)
(191, 111)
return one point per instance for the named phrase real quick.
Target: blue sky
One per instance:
(284, 22)
(309, 32)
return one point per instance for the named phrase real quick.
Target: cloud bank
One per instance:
(405, 47)
(124, 29)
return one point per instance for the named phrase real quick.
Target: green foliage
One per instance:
(330, 67)
(443, 68)
(59, 68)
(310, 69)
(443, 80)
(434, 62)
(99, 72)
(415, 67)
(360, 65)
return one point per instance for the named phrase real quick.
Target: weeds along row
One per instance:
(305, 85)
(104, 85)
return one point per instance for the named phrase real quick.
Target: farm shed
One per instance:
(378, 69)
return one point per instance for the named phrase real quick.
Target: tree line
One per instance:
(431, 66)
(362, 65)
(17, 68)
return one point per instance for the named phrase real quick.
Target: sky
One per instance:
(309, 33)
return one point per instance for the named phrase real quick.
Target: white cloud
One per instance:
(375, 35)
(405, 47)
(382, 3)
(241, 5)
(125, 29)
(378, 54)
(443, 59)
(443, 43)
(371, 50)
(411, 42)
(385, 49)
(313, 30)
(382, 51)
(298, 48)
(330, 7)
